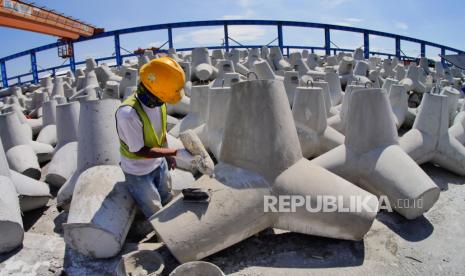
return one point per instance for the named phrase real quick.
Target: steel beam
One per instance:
(72, 60)
(443, 53)
(280, 37)
(398, 47)
(119, 59)
(35, 75)
(4, 76)
(170, 37)
(226, 37)
(366, 45)
(422, 50)
(327, 41)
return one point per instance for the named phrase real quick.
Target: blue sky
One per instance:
(437, 21)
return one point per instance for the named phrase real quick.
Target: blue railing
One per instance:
(118, 57)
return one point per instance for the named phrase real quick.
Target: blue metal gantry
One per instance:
(118, 57)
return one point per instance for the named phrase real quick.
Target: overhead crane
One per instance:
(27, 16)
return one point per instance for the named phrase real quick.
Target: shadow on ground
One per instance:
(289, 250)
(443, 178)
(411, 230)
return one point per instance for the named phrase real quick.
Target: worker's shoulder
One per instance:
(126, 111)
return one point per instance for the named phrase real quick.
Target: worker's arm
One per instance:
(147, 152)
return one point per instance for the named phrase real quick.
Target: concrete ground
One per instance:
(430, 245)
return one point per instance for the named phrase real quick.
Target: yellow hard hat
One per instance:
(164, 78)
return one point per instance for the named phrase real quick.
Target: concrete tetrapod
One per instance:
(130, 79)
(412, 81)
(105, 74)
(23, 159)
(335, 90)
(100, 215)
(291, 81)
(32, 194)
(211, 133)
(11, 224)
(38, 98)
(345, 70)
(198, 110)
(111, 90)
(224, 67)
(98, 142)
(67, 122)
(234, 56)
(398, 98)
(12, 132)
(372, 158)
(312, 61)
(298, 63)
(58, 87)
(48, 134)
(429, 139)
(17, 144)
(399, 72)
(4, 167)
(453, 96)
(327, 97)
(457, 130)
(254, 55)
(64, 161)
(35, 124)
(309, 114)
(202, 68)
(260, 157)
(264, 71)
(63, 165)
(278, 61)
(339, 121)
(181, 108)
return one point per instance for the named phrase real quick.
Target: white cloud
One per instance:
(248, 14)
(247, 33)
(343, 23)
(401, 25)
(245, 3)
(333, 3)
(354, 20)
(349, 22)
(214, 36)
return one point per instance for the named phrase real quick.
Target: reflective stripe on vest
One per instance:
(151, 139)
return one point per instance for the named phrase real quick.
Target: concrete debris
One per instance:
(202, 159)
(141, 262)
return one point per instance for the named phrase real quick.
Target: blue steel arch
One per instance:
(225, 23)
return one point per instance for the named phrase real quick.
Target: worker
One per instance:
(141, 125)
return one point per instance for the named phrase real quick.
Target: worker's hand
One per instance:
(166, 151)
(171, 162)
(156, 152)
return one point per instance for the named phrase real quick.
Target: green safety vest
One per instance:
(151, 139)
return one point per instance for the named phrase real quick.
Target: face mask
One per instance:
(147, 98)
